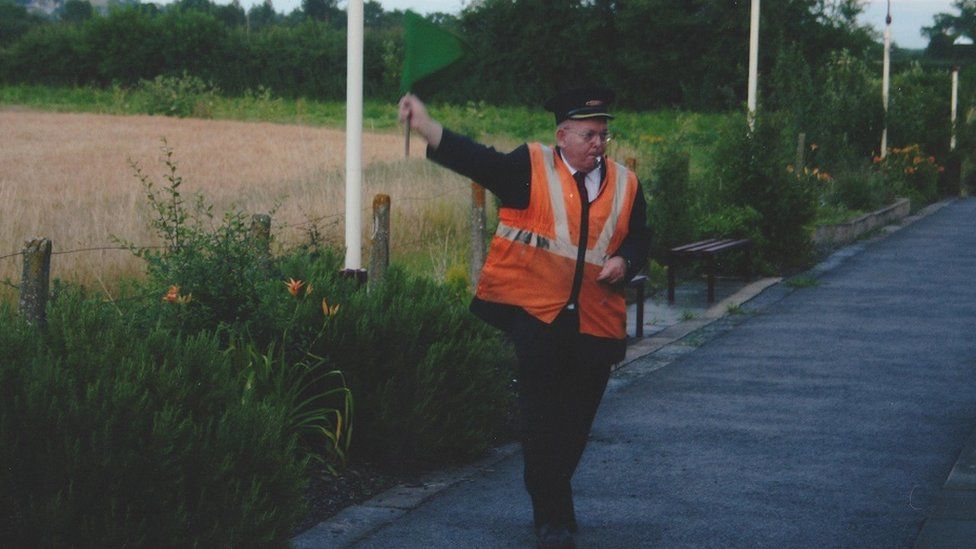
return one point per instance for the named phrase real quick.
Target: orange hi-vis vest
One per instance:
(532, 259)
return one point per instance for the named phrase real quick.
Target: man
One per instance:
(571, 232)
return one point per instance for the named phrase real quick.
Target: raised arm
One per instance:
(506, 175)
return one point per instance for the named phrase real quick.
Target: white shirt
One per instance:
(592, 180)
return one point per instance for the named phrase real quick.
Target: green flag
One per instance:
(428, 49)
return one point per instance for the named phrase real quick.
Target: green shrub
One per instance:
(735, 222)
(180, 96)
(751, 172)
(319, 406)
(912, 173)
(918, 111)
(861, 189)
(732, 222)
(847, 112)
(217, 263)
(670, 204)
(430, 380)
(110, 436)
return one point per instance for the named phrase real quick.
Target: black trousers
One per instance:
(561, 381)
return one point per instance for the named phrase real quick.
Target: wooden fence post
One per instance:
(478, 222)
(35, 281)
(379, 255)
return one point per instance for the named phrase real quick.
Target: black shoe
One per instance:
(554, 536)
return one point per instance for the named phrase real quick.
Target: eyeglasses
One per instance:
(604, 137)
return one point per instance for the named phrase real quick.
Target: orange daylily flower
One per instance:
(328, 310)
(172, 294)
(294, 286)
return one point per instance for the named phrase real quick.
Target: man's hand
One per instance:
(412, 109)
(614, 270)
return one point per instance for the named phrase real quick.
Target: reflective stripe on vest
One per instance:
(563, 245)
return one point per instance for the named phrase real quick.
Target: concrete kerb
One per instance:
(358, 521)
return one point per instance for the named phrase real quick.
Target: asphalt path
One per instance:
(824, 415)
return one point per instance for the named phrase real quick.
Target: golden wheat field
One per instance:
(69, 177)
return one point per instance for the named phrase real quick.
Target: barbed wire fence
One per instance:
(34, 287)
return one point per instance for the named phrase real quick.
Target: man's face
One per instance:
(583, 142)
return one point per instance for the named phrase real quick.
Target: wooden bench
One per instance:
(705, 250)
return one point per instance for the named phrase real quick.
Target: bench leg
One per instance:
(710, 266)
(748, 264)
(639, 321)
(670, 269)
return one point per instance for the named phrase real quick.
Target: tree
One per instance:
(206, 6)
(375, 17)
(76, 11)
(947, 28)
(320, 10)
(15, 21)
(261, 16)
(231, 14)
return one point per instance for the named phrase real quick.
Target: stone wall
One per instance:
(828, 236)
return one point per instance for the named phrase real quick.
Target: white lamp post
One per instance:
(886, 81)
(954, 105)
(354, 135)
(753, 62)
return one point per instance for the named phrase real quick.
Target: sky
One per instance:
(907, 16)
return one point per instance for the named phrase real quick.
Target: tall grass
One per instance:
(68, 175)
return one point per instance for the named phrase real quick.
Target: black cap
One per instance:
(580, 103)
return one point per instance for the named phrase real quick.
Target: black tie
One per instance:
(580, 178)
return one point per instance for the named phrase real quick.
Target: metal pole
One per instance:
(354, 135)
(954, 103)
(886, 81)
(753, 62)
